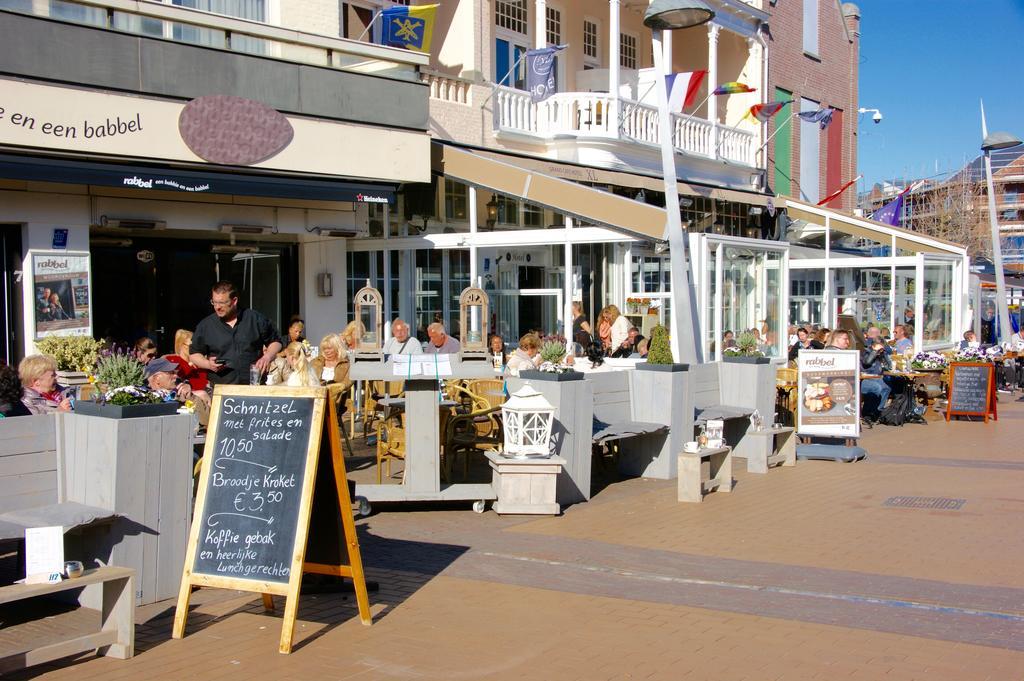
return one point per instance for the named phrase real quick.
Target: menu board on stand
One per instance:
(257, 487)
(829, 387)
(972, 390)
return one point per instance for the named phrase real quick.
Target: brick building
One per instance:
(813, 53)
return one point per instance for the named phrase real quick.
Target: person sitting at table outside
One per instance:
(440, 342)
(526, 356)
(874, 359)
(803, 342)
(302, 373)
(620, 327)
(581, 331)
(904, 344)
(629, 346)
(296, 330)
(195, 376)
(969, 341)
(728, 339)
(162, 378)
(39, 379)
(145, 349)
(11, 393)
(331, 365)
(604, 331)
(400, 342)
(496, 351)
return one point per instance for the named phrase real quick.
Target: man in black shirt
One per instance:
(228, 341)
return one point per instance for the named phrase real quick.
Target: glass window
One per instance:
(429, 290)
(455, 200)
(591, 46)
(810, 26)
(458, 279)
(751, 298)
(650, 274)
(937, 316)
(508, 210)
(533, 215)
(554, 26)
(96, 16)
(510, 14)
(627, 51)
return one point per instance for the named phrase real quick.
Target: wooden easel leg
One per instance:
(268, 602)
(291, 607)
(355, 559)
(181, 611)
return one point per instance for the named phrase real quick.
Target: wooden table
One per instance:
(422, 479)
(765, 448)
(704, 471)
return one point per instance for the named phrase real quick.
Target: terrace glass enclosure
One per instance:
(876, 273)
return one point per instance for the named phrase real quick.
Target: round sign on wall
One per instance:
(145, 256)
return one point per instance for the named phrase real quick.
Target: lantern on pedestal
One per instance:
(473, 323)
(527, 418)
(367, 305)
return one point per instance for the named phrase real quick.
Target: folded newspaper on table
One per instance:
(428, 366)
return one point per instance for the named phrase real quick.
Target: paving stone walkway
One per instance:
(822, 571)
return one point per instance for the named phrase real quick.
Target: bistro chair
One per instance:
(467, 433)
(375, 406)
(390, 443)
(786, 389)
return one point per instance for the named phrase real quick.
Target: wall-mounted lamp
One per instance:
(246, 229)
(335, 232)
(492, 212)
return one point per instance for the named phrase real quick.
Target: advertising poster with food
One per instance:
(829, 393)
(61, 294)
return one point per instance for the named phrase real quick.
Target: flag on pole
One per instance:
(839, 191)
(540, 72)
(891, 213)
(763, 112)
(408, 27)
(682, 88)
(733, 88)
(822, 116)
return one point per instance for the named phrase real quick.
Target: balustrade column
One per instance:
(712, 84)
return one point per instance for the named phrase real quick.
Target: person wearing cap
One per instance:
(162, 378)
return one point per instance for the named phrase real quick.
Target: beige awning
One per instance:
(575, 173)
(906, 239)
(591, 205)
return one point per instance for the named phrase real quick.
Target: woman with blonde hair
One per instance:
(331, 366)
(41, 395)
(619, 327)
(350, 335)
(604, 330)
(302, 375)
(195, 376)
(526, 356)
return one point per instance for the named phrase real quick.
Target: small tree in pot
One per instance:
(659, 351)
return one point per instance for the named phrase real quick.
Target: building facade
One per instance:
(813, 55)
(163, 148)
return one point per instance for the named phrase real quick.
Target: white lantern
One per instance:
(527, 420)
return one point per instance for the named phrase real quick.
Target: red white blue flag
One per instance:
(683, 88)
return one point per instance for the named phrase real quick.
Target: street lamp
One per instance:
(668, 15)
(997, 140)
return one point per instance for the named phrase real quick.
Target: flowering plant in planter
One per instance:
(972, 355)
(132, 394)
(929, 360)
(746, 346)
(121, 378)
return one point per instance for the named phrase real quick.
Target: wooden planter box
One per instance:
(141, 468)
(659, 395)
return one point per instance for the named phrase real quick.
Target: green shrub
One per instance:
(659, 351)
(552, 351)
(72, 353)
(746, 346)
(118, 370)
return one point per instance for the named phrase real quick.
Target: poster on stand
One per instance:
(829, 393)
(61, 294)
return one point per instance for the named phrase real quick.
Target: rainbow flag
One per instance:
(763, 112)
(733, 88)
(408, 27)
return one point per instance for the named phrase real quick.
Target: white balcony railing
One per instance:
(447, 88)
(590, 114)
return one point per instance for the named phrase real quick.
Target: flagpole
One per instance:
(778, 129)
(373, 20)
(497, 85)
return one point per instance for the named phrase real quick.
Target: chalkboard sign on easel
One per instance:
(258, 482)
(972, 390)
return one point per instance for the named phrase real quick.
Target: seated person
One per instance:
(195, 376)
(302, 373)
(874, 359)
(969, 341)
(330, 365)
(440, 342)
(804, 341)
(400, 342)
(162, 378)
(39, 379)
(628, 346)
(145, 349)
(904, 344)
(526, 356)
(11, 393)
(496, 351)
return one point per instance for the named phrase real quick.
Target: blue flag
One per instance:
(891, 213)
(408, 27)
(822, 116)
(540, 72)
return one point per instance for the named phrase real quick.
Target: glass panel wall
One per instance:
(863, 293)
(752, 295)
(937, 316)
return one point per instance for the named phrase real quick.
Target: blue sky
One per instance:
(926, 64)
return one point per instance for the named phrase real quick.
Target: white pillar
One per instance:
(712, 84)
(666, 40)
(567, 284)
(540, 24)
(473, 273)
(613, 49)
(388, 312)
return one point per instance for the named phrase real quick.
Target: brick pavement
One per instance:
(800, 574)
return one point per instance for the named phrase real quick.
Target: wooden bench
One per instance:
(704, 471)
(731, 392)
(109, 631)
(765, 448)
